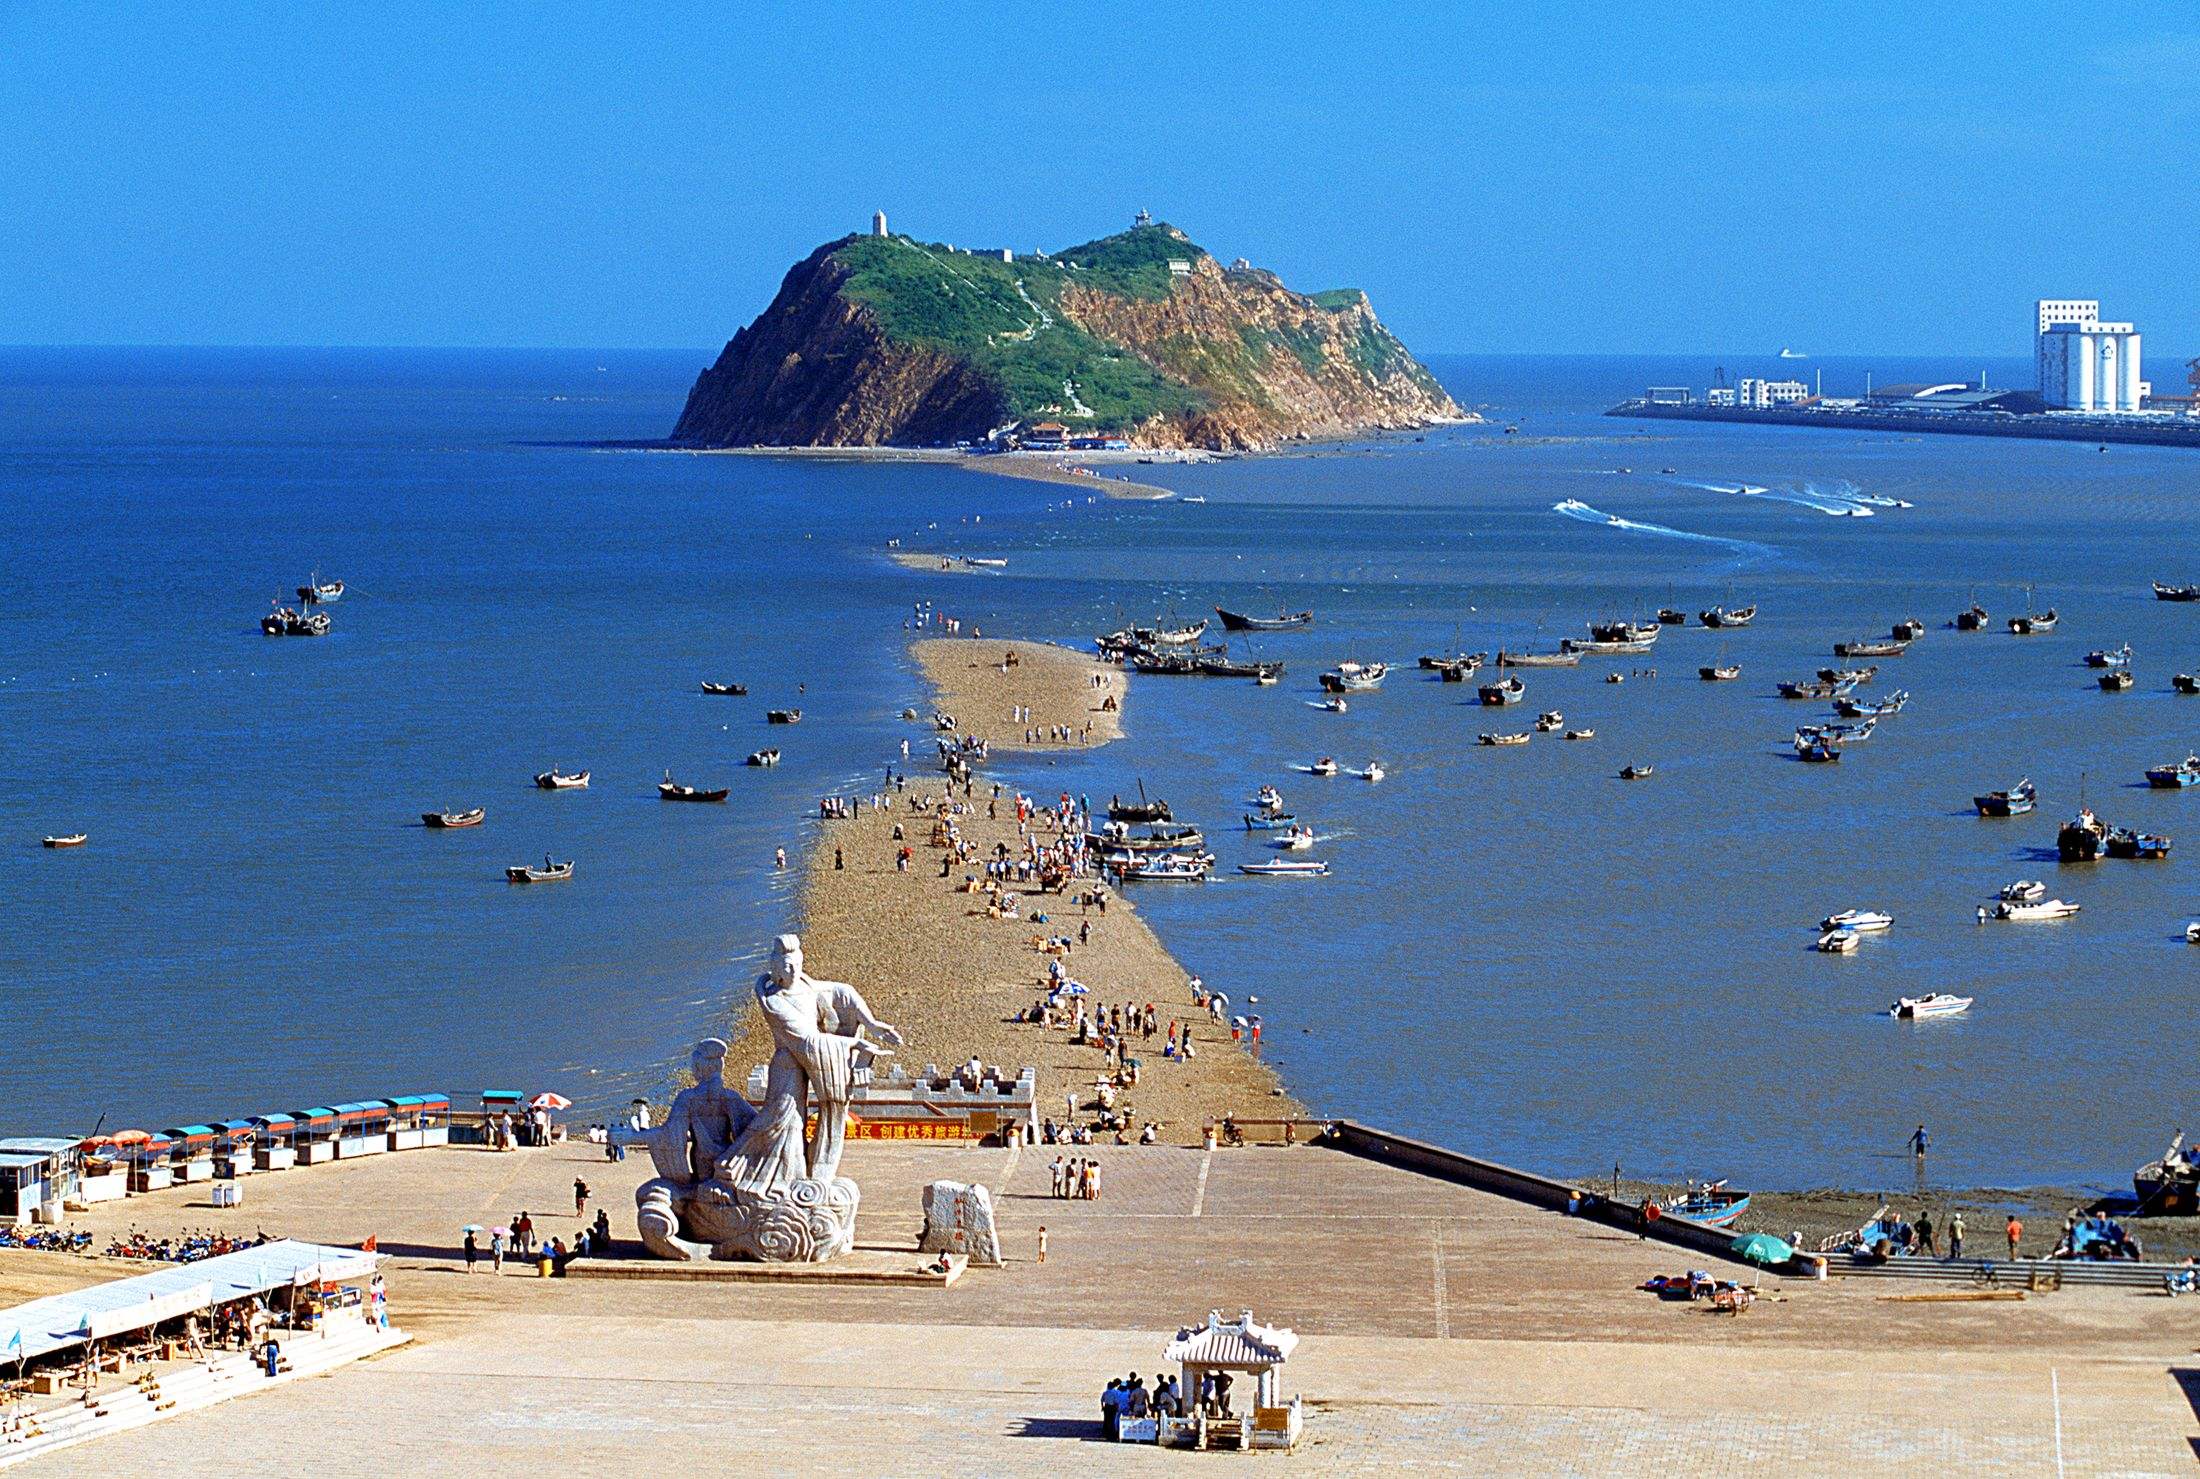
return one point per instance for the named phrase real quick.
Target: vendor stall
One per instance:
(362, 1128)
(233, 1146)
(191, 1152)
(37, 1174)
(414, 1117)
(314, 1136)
(498, 1106)
(275, 1145)
(148, 1156)
(103, 1173)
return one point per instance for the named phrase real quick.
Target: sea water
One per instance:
(1516, 952)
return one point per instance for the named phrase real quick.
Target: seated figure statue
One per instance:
(704, 1120)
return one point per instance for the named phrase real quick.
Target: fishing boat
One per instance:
(1839, 942)
(2192, 933)
(1176, 636)
(1222, 667)
(2117, 680)
(1117, 837)
(728, 690)
(319, 592)
(1972, 619)
(1323, 766)
(2081, 839)
(1724, 617)
(1271, 821)
(2107, 657)
(1932, 1004)
(73, 839)
(1372, 772)
(1509, 659)
(2023, 891)
(1849, 677)
(1615, 677)
(1460, 671)
(2185, 772)
(2031, 909)
(1141, 810)
(763, 757)
(1288, 621)
(452, 820)
(1636, 773)
(1713, 1204)
(1581, 734)
(670, 790)
(1355, 677)
(2014, 802)
(1431, 661)
(1853, 708)
(1862, 921)
(783, 716)
(1335, 705)
(1820, 689)
(1579, 648)
(283, 621)
(2125, 842)
(1164, 868)
(1504, 691)
(558, 780)
(1723, 673)
(549, 872)
(1506, 739)
(1624, 631)
(2176, 592)
(1836, 735)
(1293, 839)
(1871, 647)
(2169, 1187)
(1268, 798)
(1819, 753)
(1668, 617)
(1286, 868)
(2033, 625)
(1269, 677)
(1907, 631)
(1178, 664)
(2185, 683)
(1548, 721)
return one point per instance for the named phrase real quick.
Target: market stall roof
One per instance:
(61, 1320)
(1239, 1344)
(38, 1145)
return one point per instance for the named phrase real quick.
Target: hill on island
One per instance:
(884, 340)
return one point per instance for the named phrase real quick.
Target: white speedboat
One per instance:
(1933, 1004)
(2045, 909)
(1294, 839)
(1581, 734)
(1323, 766)
(1333, 705)
(1268, 798)
(1372, 773)
(1858, 921)
(2023, 891)
(2192, 933)
(1286, 868)
(1164, 868)
(1839, 942)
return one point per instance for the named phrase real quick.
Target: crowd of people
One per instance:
(1128, 1399)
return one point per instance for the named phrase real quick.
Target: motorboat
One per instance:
(1549, 721)
(2124, 842)
(1713, 1204)
(1839, 942)
(2170, 1186)
(2185, 772)
(1835, 735)
(1932, 1004)
(1624, 631)
(319, 592)
(1323, 766)
(1295, 839)
(549, 872)
(2176, 592)
(1286, 868)
(763, 757)
(1460, 671)
(1722, 673)
(2034, 624)
(1862, 921)
(2117, 680)
(1972, 619)
(1636, 773)
(1856, 708)
(1269, 676)
(1668, 617)
(1288, 621)
(1506, 739)
(1503, 691)
(1268, 798)
(1333, 705)
(1723, 617)
(1818, 752)
(2014, 802)
(1169, 867)
(558, 780)
(1507, 658)
(1373, 772)
(1615, 677)
(1907, 631)
(1849, 677)
(73, 839)
(454, 819)
(726, 690)
(671, 790)
(2034, 909)
(284, 621)
(2023, 891)
(2192, 933)
(2081, 839)
(2109, 657)
(1581, 734)
(783, 716)
(1871, 647)
(1272, 821)
(1355, 677)
(1117, 837)
(2185, 683)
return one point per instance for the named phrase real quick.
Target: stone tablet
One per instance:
(958, 1218)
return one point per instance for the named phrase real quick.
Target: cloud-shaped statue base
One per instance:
(805, 1221)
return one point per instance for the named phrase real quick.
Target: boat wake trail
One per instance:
(1574, 508)
(1835, 505)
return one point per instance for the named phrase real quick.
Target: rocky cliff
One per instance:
(884, 340)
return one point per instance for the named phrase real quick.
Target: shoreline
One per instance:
(928, 958)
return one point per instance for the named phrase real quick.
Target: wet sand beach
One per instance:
(929, 959)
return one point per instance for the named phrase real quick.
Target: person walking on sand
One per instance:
(473, 1250)
(496, 1251)
(1919, 1141)
(2015, 1230)
(580, 1197)
(1042, 1242)
(1955, 1236)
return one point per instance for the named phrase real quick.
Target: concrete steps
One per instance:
(2008, 1273)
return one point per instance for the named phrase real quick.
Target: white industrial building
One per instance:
(2085, 364)
(1764, 395)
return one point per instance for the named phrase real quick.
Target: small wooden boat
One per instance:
(1268, 799)
(1581, 734)
(1711, 1204)
(471, 817)
(2117, 680)
(727, 690)
(1580, 648)
(549, 872)
(783, 716)
(2185, 683)
(2176, 592)
(283, 621)
(1932, 1004)
(1323, 766)
(1819, 689)
(1722, 673)
(1668, 617)
(2109, 657)
(1269, 677)
(1547, 722)
(317, 592)
(2024, 910)
(1159, 838)
(1839, 942)
(671, 790)
(1819, 753)
(1176, 636)
(1504, 691)
(1141, 810)
(1355, 677)
(2014, 802)
(1855, 708)
(1723, 618)
(1637, 773)
(1506, 739)
(1624, 631)
(1289, 621)
(2176, 777)
(763, 757)
(73, 839)
(1615, 677)
(1874, 647)
(1510, 659)
(1269, 821)
(1848, 677)
(2034, 625)
(1460, 671)
(558, 780)
(2124, 842)
(1861, 921)
(1908, 631)
(1286, 868)
(1334, 704)
(2081, 839)
(1973, 619)
(1222, 667)
(1835, 735)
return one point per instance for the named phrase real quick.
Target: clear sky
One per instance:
(1516, 177)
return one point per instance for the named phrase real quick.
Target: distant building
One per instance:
(2085, 364)
(1719, 395)
(1764, 394)
(1046, 436)
(1178, 267)
(1668, 395)
(878, 223)
(1007, 255)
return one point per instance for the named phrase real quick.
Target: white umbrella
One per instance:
(548, 1100)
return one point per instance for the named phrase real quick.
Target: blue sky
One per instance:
(1862, 179)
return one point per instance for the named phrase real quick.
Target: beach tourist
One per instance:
(523, 1233)
(580, 1197)
(1925, 1244)
(837, 863)
(1919, 1140)
(496, 1250)
(1111, 1408)
(779, 857)
(2015, 1230)
(1955, 1236)
(473, 1250)
(1042, 1242)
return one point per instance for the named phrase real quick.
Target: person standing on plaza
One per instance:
(473, 1250)
(2015, 1230)
(580, 1197)
(1955, 1236)
(1042, 1242)
(496, 1250)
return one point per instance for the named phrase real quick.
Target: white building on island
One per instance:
(2085, 364)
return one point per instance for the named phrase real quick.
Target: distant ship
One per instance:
(1793, 354)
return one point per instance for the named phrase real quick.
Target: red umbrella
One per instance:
(548, 1100)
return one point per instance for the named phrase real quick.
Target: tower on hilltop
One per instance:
(1143, 218)
(878, 223)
